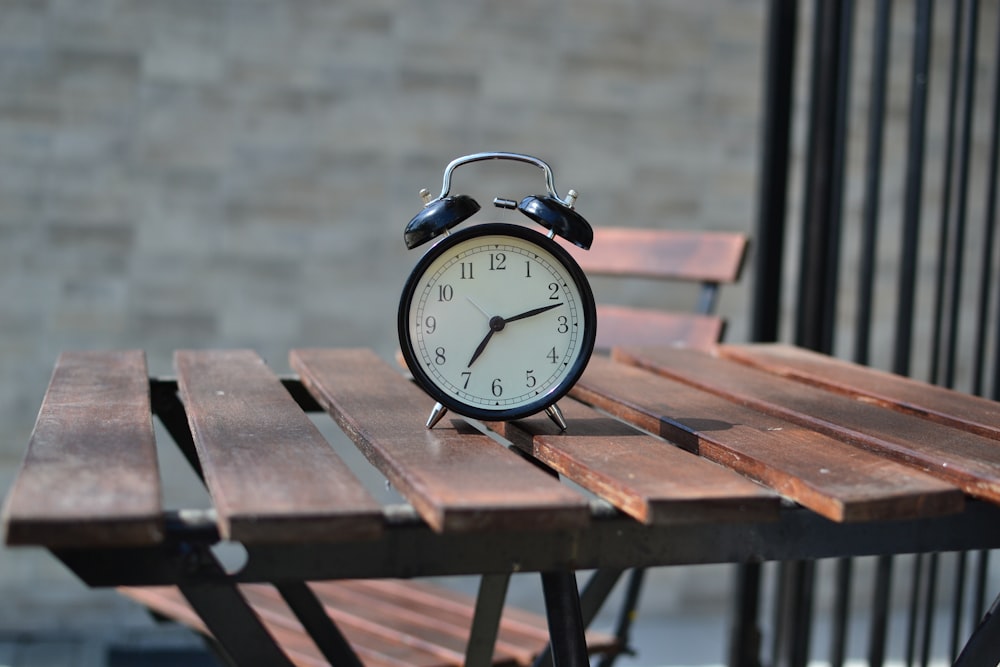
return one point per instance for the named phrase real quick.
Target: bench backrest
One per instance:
(710, 259)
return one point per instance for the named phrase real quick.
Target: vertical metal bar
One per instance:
(989, 225)
(794, 624)
(820, 228)
(845, 55)
(911, 628)
(780, 612)
(594, 594)
(962, 199)
(873, 178)
(878, 632)
(841, 610)
(769, 233)
(944, 239)
(562, 609)
(929, 601)
(744, 639)
(958, 604)
(805, 584)
(923, 19)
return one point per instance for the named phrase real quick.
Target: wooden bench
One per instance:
(709, 259)
(388, 623)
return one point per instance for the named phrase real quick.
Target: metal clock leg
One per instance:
(437, 412)
(556, 415)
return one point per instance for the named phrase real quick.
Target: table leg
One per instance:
(486, 621)
(983, 648)
(598, 587)
(324, 632)
(235, 626)
(562, 608)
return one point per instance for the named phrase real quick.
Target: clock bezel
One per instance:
(587, 336)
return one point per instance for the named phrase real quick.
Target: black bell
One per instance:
(561, 219)
(437, 218)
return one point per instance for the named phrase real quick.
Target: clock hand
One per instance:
(479, 308)
(497, 323)
(532, 312)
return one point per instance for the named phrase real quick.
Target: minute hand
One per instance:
(531, 313)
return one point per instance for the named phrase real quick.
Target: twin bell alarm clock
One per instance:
(497, 321)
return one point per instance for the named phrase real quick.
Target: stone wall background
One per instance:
(237, 173)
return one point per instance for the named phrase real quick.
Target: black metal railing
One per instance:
(897, 266)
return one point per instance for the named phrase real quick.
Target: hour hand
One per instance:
(497, 323)
(482, 346)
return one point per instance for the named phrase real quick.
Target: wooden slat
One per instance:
(285, 628)
(841, 482)
(373, 644)
(90, 475)
(969, 461)
(271, 474)
(643, 476)
(621, 325)
(665, 254)
(392, 624)
(952, 408)
(430, 607)
(456, 479)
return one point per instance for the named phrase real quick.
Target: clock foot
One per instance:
(436, 414)
(556, 415)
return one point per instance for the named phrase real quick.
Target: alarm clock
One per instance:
(497, 321)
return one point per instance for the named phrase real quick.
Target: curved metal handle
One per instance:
(516, 157)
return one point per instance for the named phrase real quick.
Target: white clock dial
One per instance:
(497, 322)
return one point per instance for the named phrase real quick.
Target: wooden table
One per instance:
(780, 454)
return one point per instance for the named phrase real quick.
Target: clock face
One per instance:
(497, 322)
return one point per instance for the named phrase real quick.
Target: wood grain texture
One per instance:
(664, 254)
(952, 408)
(617, 325)
(839, 481)
(455, 477)
(90, 476)
(969, 461)
(387, 622)
(271, 474)
(645, 477)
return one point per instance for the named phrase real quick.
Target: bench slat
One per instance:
(456, 482)
(841, 482)
(414, 614)
(90, 476)
(249, 431)
(641, 475)
(664, 254)
(966, 460)
(284, 627)
(617, 325)
(952, 408)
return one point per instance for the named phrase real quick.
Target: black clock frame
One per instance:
(588, 336)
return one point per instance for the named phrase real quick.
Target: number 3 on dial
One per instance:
(497, 322)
